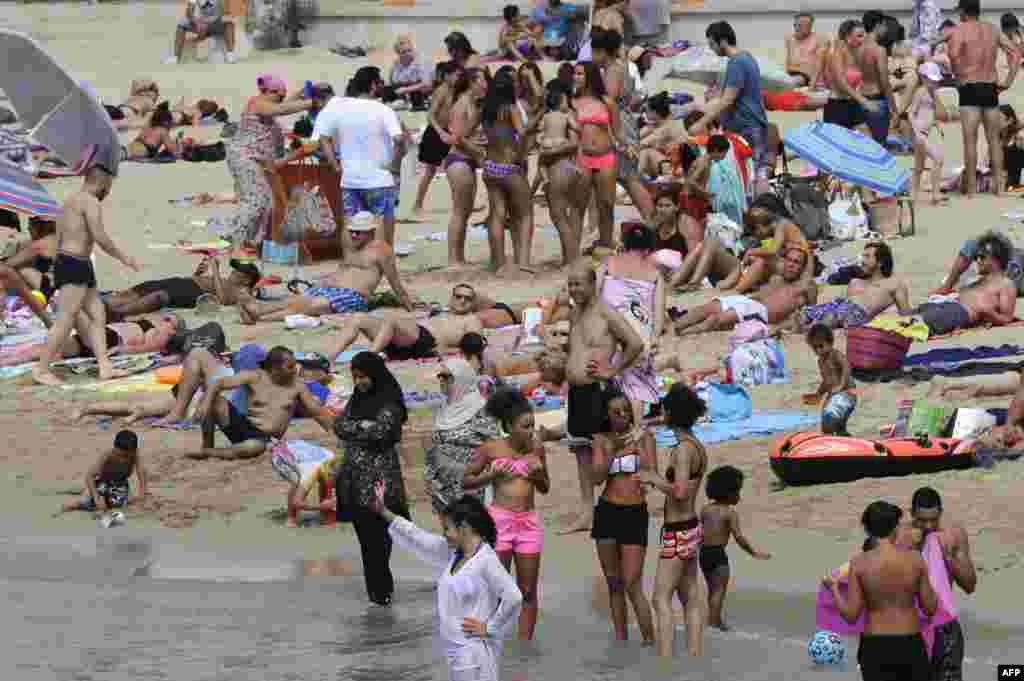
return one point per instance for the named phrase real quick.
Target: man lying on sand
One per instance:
(492, 314)
(990, 300)
(275, 392)
(967, 255)
(365, 262)
(184, 292)
(773, 304)
(865, 298)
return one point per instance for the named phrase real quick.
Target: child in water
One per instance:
(835, 392)
(721, 522)
(106, 482)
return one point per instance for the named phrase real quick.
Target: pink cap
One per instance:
(268, 81)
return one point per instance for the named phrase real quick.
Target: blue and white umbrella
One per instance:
(848, 155)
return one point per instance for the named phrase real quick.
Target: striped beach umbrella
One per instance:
(848, 155)
(20, 192)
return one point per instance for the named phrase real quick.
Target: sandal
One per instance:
(294, 284)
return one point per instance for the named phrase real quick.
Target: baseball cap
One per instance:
(930, 71)
(362, 222)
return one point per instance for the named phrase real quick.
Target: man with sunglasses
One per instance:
(803, 50)
(966, 257)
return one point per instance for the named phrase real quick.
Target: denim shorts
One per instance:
(380, 202)
(757, 138)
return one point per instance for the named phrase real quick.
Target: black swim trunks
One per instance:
(424, 347)
(73, 270)
(714, 561)
(944, 318)
(948, 653)
(587, 410)
(845, 113)
(432, 149)
(624, 524)
(240, 429)
(181, 291)
(978, 95)
(894, 657)
(507, 310)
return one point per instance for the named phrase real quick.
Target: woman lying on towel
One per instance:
(155, 141)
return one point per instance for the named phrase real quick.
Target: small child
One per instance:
(106, 482)
(557, 128)
(835, 392)
(922, 118)
(721, 522)
(516, 39)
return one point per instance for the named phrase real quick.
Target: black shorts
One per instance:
(626, 525)
(424, 347)
(978, 95)
(240, 429)
(113, 340)
(587, 410)
(714, 561)
(845, 113)
(181, 291)
(507, 310)
(73, 270)
(432, 150)
(944, 318)
(948, 653)
(894, 657)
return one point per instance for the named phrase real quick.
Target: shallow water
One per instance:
(126, 609)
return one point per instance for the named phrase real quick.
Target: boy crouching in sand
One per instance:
(835, 394)
(721, 522)
(106, 482)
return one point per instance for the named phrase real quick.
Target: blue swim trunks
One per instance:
(835, 314)
(380, 202)
(837, 412)
(341, 300)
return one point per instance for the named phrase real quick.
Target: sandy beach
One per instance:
(238, 507)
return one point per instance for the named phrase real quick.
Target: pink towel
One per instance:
(827, 614)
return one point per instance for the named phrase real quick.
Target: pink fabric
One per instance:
(827, 615)
(519, 532)
(268, 81)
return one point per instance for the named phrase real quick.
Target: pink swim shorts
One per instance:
(518, 531)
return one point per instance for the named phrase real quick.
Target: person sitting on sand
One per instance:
(28, 269)
(365, 262)
(967, 256)
(155, 140)
(516, 40)
(803, 50)
(865, 298)
(721, 523)
(185, 292)
(106, 481)
(322, 476)
(771, 223)
(275, 391)
(774, 303)
(202, 368)
(143, 94)
(990, 300)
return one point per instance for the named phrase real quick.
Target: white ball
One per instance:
(826, 648)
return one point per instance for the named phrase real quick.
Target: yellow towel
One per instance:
(908, 327)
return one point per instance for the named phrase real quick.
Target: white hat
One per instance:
(362, 222)
(930, 71)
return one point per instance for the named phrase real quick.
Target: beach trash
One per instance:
(826, 648)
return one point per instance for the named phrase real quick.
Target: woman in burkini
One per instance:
(477, 599)
(461, 425)
(682, 534)
(461, 164)
(517, 467)
(621, 456)
(504, 172)
(597, 119)
(258, 139)
(631, 284)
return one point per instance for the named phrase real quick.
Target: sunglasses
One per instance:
(463, 296)
(444, 377)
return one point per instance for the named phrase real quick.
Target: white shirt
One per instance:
(364, 132)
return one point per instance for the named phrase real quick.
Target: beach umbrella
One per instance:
(20, 192)
(848, 155)
(56, 110)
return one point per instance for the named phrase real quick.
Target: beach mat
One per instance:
(923, 374)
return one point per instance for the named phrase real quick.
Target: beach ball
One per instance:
(826, 648)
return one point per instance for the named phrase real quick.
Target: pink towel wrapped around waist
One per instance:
(827, 615)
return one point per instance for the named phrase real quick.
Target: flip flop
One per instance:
(294, 284)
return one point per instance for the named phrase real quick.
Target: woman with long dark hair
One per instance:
(504, 175)
(369, 431)
(464, 158)
(461, 51)
(477, 600)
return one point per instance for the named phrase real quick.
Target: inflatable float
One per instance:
(814, 458)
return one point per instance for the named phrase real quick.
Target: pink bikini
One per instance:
(604, 161)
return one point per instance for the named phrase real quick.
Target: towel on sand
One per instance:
(760, 423)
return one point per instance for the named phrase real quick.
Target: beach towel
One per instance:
(920, 374)
(827, 615)
(701, 65)
(908, 327)
(758, 362)
(759, 424)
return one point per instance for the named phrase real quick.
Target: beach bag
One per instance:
(970, 422)
(759, 362)
(210, 336)
(307, 212)
(868, 348)
(847, 218)
(808, 204)
(927, 418)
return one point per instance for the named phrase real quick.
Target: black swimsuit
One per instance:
(73, 270)
(676, 242)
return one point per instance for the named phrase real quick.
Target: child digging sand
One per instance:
(106, 482)
(720, 522)
(835, 394)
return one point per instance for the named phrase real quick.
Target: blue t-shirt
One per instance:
(743, 73)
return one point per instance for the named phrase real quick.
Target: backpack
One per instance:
(209, 336)
(809, 206)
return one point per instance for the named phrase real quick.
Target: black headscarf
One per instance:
(384, 391)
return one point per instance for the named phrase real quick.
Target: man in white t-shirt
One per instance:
(363, 141)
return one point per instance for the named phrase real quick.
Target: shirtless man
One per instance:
(79, 228)
(803, 50)
(401, 336)
(597, 334)
(774, 303)
(926, 515)
(365, 262)
(973, 46)
(275, 392)
(184, 292)
(872, 60)
(990, 300)
(865, 298)
(966, 257)
(883, 584)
